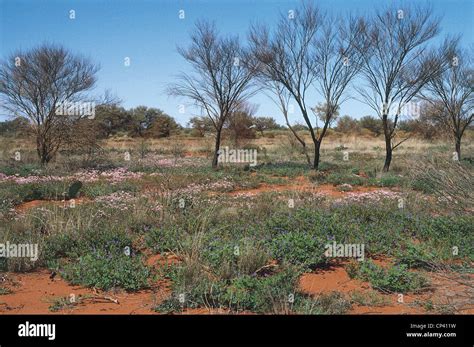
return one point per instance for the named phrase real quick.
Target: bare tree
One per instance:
(34, 83)
(307, 52)
(339, 53)
(282, 100)
(397, 65)
(451, 93)
(222, 78)
(286, 56)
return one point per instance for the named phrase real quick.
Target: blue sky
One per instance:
(148, 31)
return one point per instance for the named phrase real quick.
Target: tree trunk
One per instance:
(318, 142)
(216, 148)
(388, 155)
(458, 147)
(300, 140)
(44, 154)
(41, 150)
(317, 147)
(388, 144)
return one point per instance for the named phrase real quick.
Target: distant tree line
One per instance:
(241, 124)
(141, 121)
(429, 125)
(110, 120)
(149, 122)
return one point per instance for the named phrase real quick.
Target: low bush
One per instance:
(272, 294)
(101, 188)
(107, 271)
(164, 239)
(343, 178)
(232, 258)
(416, 256)
(298, 248)
(389, 181)
(18, 193)
(394, 279)
(326, 303)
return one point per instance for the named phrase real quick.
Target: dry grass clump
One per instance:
(451, 181)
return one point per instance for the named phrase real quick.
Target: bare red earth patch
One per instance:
(35, 292)
(22, 208)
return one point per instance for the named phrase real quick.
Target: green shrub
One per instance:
(164, 239)
(298, 248)
(5, 291)
(107, 271)
(20, 235)
(15, 194)
(283, 169)
(73, 190)
(326, 303)
(79, 241)
(6, 206)
(341, 178)
(62, 303)
(191, 288)
(100, 188)
(21, 169)
(371, 298)
(270, 294)
(422, 185)
(415, 256)
(389, 181)
(229, 256)
(446, 233)
(395, 279)
(273, 294)
(61, 245)
(340, 148)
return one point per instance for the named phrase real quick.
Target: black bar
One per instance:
(244, 329)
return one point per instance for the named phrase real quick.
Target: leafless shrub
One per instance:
(449, 180)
